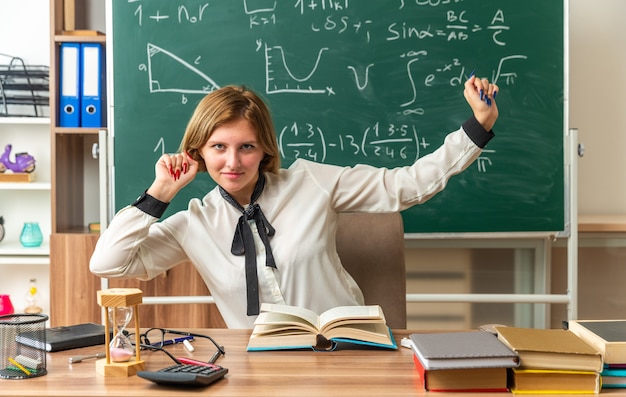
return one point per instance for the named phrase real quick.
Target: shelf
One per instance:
(24, 260)
(77, 230)
(12, 253)
(68, 38)
(77, 131)
(604, 223)
(24, 120)
(43, 186)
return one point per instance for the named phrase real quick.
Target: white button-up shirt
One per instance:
(301, 203)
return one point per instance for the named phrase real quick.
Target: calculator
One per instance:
(185, 375)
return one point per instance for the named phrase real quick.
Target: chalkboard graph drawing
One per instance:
(278, 76)
(361, 85)
(163, 60)
(260, 6)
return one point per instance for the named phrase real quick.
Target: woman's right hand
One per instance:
(172, 173)
(480, 94)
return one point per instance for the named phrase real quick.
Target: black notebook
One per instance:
(64, 338)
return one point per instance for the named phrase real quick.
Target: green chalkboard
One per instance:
(356, 81)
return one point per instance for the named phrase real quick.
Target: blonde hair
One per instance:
(222, 106)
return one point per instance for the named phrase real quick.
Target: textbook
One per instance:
(63, 338)
(550, 349)
(463, 380)
(280, 327)
(606, 336)
(546, 381)
(469, 349)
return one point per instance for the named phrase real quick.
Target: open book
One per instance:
(288, 327)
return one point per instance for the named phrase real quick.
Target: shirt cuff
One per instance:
(150, 205)
(477, 133)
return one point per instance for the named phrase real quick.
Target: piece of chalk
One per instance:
(188, 346)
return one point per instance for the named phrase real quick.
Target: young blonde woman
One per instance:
(267, 234)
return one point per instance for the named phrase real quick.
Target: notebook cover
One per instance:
(470, 349)
(551, 349)
(64, 338)
(611, 331)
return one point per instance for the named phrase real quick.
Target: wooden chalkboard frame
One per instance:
(471, 203)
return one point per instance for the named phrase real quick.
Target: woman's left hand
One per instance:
(480, 94)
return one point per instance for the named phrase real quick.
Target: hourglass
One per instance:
(119, 306)
(120, 347)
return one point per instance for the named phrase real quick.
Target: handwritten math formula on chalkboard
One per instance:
(348, 82)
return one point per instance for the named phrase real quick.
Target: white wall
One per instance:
(25, 33)
(25, 30)
(598, 102)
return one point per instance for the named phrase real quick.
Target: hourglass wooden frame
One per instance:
(119, 297)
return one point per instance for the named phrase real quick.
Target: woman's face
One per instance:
(232, 156)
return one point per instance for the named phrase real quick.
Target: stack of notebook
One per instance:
(552, 361)
(609, 338)
(472, 361)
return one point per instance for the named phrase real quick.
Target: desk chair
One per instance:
(371, 248)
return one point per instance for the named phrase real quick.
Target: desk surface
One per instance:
(287, 373)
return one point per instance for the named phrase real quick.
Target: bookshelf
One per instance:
(76, 202)
(74, 187)
(24, 123)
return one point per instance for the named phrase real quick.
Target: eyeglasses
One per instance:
(155, 339)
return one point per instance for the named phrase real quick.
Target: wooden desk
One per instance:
(287, 373)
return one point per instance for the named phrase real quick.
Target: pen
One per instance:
(191, 361)
(173, 341)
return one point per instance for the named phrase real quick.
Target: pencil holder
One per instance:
(18, 361)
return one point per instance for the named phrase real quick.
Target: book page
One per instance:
(305, 314)
(355, 313)
(281, 329)
(375, 333)
(285, 321)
